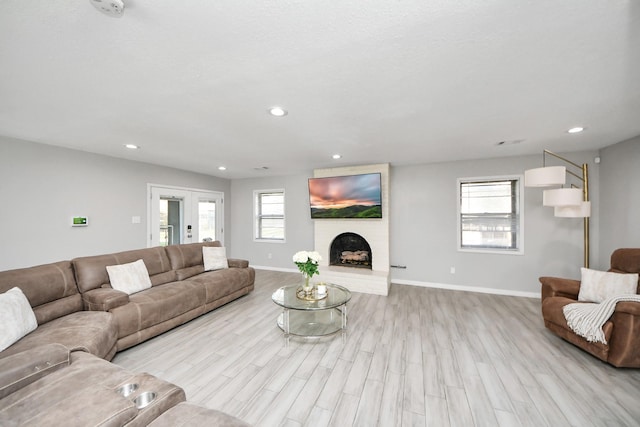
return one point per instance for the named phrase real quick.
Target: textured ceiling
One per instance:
(403, 82)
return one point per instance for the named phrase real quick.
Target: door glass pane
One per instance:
(206, 220)
(170, 213)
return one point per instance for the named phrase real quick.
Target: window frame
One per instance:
(257, 217)
(519, 250)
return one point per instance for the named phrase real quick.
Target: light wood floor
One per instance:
(417, 357)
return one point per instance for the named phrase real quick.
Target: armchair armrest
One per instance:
(624, 350)
(104, 299)
(22, 369)
(628, 307)
(237, 263)
(557, 287)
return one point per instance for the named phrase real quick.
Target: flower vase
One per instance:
(306, 286)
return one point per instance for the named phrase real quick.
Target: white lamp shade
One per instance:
(562, 197)
(581, 211)
(545, 177)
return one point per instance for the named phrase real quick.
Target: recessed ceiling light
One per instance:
(277, 111)
(336, 156)
(132, 146)
(222, 168)
(576, 129)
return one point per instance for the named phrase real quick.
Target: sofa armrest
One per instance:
(90, 405)
(237, 263)
(22, 369)
(557, 287)
(104, 299)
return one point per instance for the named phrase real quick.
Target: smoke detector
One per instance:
(510, 142)
(113, 8)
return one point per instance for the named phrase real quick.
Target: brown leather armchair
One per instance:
(622, 330)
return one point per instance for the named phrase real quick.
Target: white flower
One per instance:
(301, 256)
(307, 262)
(315, 257)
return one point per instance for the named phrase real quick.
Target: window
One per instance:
(490, 214)
(269, 215)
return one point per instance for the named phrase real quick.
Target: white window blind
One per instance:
(490, 214)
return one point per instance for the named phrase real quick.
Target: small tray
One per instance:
(301, 294)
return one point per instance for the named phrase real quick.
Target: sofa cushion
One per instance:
(156, 305)
(88, 405)
(91, 271)
(187, 259)
(129, 278)
(552, 312)
(597, 286)
(221, 283)
(187, 414)
(215, 258)
(21, 369)
(16, 317)
(84, 393)
(626, 260)
(50, 288)
(90, 331)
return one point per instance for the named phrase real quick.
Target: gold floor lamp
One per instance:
(572, 202)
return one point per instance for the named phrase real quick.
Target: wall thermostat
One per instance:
(79, 221)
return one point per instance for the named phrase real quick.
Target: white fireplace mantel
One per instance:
(375, 231)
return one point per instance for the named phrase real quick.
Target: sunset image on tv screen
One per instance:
(352, 196)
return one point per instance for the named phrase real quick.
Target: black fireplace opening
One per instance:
(350, 250)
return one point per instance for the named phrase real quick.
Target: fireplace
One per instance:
(350, 250)
(356, 273)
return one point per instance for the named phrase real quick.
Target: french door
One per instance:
(182, 215)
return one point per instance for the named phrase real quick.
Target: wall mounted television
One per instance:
(349, 196)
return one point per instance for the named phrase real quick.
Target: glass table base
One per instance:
(313, 323)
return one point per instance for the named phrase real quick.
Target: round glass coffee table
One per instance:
(312, 317)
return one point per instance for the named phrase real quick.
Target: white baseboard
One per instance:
(493, 291)
(362, 280)
(467, 288)
(286, 270)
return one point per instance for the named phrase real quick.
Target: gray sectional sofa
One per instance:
(60, 373)
(181, 289)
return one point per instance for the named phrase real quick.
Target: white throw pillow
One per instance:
(597, 286)
(215, 258)
(16, 317)
(129, 278)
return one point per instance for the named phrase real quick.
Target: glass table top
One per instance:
(336, 296)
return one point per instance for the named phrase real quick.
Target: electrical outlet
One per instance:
(452, 270)
(269, 256)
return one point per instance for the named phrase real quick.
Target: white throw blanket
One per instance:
(587, 319)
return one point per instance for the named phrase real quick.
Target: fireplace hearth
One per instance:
(350, 250)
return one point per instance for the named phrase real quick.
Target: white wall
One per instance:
(424, 229)
(299, 226)
(42, 187)
(620, 206)
(45, 185)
